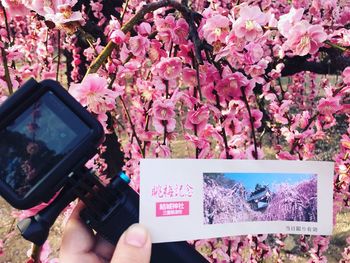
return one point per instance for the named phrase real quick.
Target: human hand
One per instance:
(79, 244)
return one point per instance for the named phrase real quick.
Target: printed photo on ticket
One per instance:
(186, 199)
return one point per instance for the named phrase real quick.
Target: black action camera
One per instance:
(46, 137)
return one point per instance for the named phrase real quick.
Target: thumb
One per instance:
(134, 246)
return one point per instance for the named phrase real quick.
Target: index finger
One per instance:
(78, 239)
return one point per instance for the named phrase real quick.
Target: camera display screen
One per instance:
(36, 141)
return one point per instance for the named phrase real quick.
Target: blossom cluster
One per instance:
(217, 79)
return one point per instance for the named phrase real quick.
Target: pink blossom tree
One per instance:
(246, 79)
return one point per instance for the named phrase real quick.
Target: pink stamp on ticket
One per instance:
(178, 208)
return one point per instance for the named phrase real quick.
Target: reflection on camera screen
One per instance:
(36, 141)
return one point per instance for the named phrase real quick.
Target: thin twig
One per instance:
(4, 55)
(251, 120)
(7, 25)
(7, 72)
(195, 126)
(35, 253)
(167, 95)
(124, 11)
(165, 122)
(341, 48)
(132, 125)
(196, 65)
(222, 119)
(59, 54)
(296, 142)
(146, 126)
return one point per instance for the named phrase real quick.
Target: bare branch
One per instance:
(330, 65)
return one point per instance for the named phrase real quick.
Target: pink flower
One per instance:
(282, 155)
(169, 68)
(287, 21)
(220, 255)
(329, 106)
(162, 151)
(251, 154)
(232, 50)
(15, 7)
(155, 52)
(138, 45)
(93, 93)
(197, 142)
(197, 119)
(257, 117)
(254, 53)
(190, 77)
(160, 125)
(216, 28)
(346, 75)
(165, 24)
(301, 120)
(229, 87)
(233, 126)
(144, 29)
(305, 39)
(257, 70)
(344, 17)
(38, 6)
(64, 14)
(279, 111)
(165, 27)
(208, 92)
(181, 31)
(3, 32)
(320, 243)
(115, 34)
(163, 110)
(163, 116)
(276, 73)
(57, 11)
(249, 23)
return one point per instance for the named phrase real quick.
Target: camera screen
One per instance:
(36, 141)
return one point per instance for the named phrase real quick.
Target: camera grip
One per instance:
(124, 213)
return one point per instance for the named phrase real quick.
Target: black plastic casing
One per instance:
(53, 180)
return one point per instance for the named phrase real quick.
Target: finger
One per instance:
(77, 237)
(134, 246)
(103, 248)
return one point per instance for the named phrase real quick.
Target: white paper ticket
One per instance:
(186, 199)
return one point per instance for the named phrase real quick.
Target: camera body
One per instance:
(36, 158)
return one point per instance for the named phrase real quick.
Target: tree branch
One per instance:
(251, 120)
(188, 15)
(223, 131)
(333, 63)
(58, 54)
(7, 25)
(132, 126)
(6, 69)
